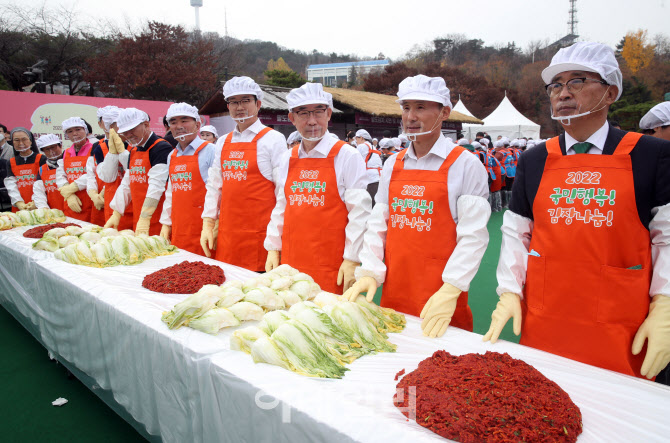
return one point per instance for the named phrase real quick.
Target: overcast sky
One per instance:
(366, 28)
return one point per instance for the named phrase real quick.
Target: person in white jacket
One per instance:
(322, 201)
(45, 190)
(427, 233)
(373, 161)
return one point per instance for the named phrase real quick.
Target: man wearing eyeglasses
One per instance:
(585, 253)
(240, 184)
(322, 199)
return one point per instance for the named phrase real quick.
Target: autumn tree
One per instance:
(637, 53)
(283, 78)
(279, 65)
(163, 62)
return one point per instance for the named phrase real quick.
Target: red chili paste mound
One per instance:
(184, 278)
(39, 231)
(491, 397)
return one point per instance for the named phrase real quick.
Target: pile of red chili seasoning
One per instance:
(490, 397)
(184, 278)
(39, 231)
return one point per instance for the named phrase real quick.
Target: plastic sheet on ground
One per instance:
(184, 385)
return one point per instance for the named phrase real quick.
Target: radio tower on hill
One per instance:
(572, 22)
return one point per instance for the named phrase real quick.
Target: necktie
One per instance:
(582, 148)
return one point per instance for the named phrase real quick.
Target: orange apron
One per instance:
(247, 200)
(110, 190)
(188, 199)
(315, 218)
(421, 237)
(25, 175)
(54, 199)
(369, 156)
(139, 167)
(587, 292)
(75, 167)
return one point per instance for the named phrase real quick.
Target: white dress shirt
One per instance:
(598, 139)
(351, 185)
(268, 155)
(467, 182)
(375, 162)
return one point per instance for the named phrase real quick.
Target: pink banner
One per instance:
(44, 113)
(394, 122)
(271, 118)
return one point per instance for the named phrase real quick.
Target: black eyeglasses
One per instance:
(574, 85)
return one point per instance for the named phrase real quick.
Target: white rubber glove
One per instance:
(655, 329)
(439, 309)
(97, 199)
(508, 307)
(69, 189)
(272, 261)
(363, 284)
(74, 203)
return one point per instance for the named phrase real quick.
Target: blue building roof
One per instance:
(348, 64)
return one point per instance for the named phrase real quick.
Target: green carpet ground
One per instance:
(32, 381)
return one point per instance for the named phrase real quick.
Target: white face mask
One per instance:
(565, 120)
(2, 137)
(412, 136)
(182, 137)
(314, 139)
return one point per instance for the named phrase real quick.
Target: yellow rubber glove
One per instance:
(207, 235)
(114, 220)
(509, 306)
(68, 190)
(345, 276)
(30, 206)
(363, 284)
(115, 143)
(21, 206)
(655, 329)
(166, 232)
(97, 199)
(272, 261)
(439, 309)
(74, 203)
(216, 233)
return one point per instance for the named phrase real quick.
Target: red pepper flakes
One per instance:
(184, 278)
(491, 397)
(399, 374)
(39, 231)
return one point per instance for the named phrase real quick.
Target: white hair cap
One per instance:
(484, 141)
(182, 110)
(363, 133)
(421, 87)
(74, 122)
(375, 140)
(386, 143)
(48, 140)
(515, 142)
(403, 138)
(130, 118)
(210, 128)
(463, 142)
(309, 94)
(397, 142)
(522, 142)
(110, 116)
(241, 86)
(657, 116)
(586, 56)
(295, 137)
(498, 144)
(505, 141)
(477, 145)
(101, 111)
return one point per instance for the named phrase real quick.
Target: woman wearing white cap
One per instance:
(427, 233)
(189, 165)
(209, 134)
(322, 201)
(143, 184)
(23, 171)
(657, 121)
(106, 168)
(373, 160)
(240, 184)
(586, 242)
(45, 190)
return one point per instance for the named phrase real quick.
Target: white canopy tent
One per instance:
(505, 120)
(460, 107)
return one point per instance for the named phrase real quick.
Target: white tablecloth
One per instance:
(185, 385)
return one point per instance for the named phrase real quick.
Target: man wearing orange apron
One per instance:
(323, 203)
(45, 190)
(143, 185)
(240, 184)
(585, 242)
(71, 173)
(427, 233)
(189, 165)
(23, 170)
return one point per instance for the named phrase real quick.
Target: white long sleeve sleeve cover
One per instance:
(374, 241)
(61, 178)
(91, 182)
(213, 185)
(659, 231)
(166, 215)
(122, 196)
(472, 238)
(109, 168)
(359, 205)
(158, 175)
(276, 225)
(513, 262)
(13, 190)
(40, 195)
